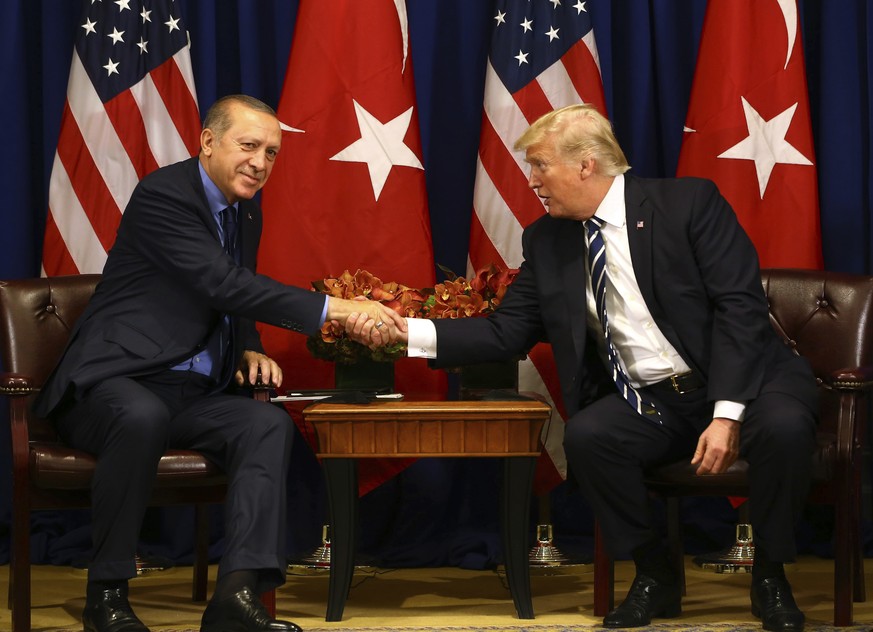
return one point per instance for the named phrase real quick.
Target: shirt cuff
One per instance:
(422, 338)
(324, 310)
(729, 410)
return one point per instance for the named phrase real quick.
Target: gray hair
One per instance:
(218, 117)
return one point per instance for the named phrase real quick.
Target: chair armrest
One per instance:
(261, 392)
(851, 379)
(14, 384)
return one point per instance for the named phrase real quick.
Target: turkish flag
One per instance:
(348, 187)
(748, 127)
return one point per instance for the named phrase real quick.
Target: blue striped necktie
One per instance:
(597, 267)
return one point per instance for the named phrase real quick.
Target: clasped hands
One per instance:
(368, 322)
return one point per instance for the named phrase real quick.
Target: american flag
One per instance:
(131, 108)
(543, 56)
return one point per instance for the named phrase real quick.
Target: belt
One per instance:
(681, 382)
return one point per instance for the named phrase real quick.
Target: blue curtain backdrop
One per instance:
(437, 512)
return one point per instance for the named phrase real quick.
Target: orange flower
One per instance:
(453, 298)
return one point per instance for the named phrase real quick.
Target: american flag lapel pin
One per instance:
(249, 215)
(640, 224)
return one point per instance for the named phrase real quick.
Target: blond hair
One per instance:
(578, 132)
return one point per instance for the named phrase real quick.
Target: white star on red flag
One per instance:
(380, 146)
(749, 103)
(766, 144)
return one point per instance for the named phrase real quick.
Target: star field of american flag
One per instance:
(123, 40)
(131, 108)
(529, 37)
(543, 57)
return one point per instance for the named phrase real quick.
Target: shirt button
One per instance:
(663, 355)
(647, 324)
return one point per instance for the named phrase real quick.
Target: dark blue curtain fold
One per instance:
(437, 512)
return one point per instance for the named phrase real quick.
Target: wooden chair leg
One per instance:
(844, 555)
(19, 567)
(201, 552)
(859, 593)
(604, 576)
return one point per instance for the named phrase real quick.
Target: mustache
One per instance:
(251, 173)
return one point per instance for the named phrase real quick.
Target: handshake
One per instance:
(368, 322)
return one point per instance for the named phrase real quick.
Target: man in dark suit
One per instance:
(690, 367)
(149, 364)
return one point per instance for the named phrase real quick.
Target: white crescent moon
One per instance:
(400, 5)
(789, 12)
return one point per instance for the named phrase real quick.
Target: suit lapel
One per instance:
(203, 207)
(571, 254)
(640, 229)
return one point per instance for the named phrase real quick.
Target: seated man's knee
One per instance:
(787, 429)
(273, 423)
(583, 434)
(142, 424)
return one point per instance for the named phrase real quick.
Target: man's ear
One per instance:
(207, 140)
(586, 167)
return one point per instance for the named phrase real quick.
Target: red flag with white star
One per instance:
(348, 187)
(748, 127)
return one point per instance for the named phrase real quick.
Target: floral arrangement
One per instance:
(456, 297)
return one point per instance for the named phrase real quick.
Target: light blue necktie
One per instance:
(597, 267)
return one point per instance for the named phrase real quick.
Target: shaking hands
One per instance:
(368, 322)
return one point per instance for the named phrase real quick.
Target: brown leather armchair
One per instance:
(36, 316)
(827, 317)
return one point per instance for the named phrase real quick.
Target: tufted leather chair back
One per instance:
(39, 314)
(826, 317)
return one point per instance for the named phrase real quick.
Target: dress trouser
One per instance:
(128, 423)
(609, 447)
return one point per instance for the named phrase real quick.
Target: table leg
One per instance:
(518, 475)
(341, 477)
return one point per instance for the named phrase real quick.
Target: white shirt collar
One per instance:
(611, 209)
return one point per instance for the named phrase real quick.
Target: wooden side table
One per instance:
(507, 429)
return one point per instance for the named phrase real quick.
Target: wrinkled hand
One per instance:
(362, 328)
(387, 325)
(251, 363)
(718, 447)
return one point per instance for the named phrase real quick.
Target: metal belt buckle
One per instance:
(674, 380)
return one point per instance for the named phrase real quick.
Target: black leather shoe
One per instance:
(111, 612)
(773, 603)
(243, 612)
(647, 598)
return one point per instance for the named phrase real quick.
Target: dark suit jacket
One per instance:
(166, 284)
(697, 270)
